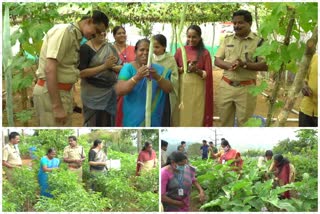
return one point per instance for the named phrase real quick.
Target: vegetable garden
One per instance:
(289, 29)
(248, 191)
(118, 190)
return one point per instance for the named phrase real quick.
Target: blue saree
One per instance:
(134, 102)
(43, 176)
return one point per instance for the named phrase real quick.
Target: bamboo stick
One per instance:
(7, 60)
(149, 88)
(183, 51)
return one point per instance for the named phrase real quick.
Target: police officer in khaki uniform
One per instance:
(235, 56)
(74, 155)
(11, 155)
(58, 68)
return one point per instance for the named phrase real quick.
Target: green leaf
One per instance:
(279, 104)
(14, 37)
(253, 122)
(256, 90)
(24, 115)
(292, 66)
(285, 54)
(212, 203)
(285, 205)
(240, 185)
(241, 208)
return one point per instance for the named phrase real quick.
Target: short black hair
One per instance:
(176, 157)
(140, 41)
(99, 17)
(164, 143)
(281, 160)
(183, 142)
(50, 150)
(146, 145)
(13, 135)
(225, 143)
(161, 39)
(210, 142)
(246, 15)
(72, 137)
(204, 141)
(269, 153)
(116, 28)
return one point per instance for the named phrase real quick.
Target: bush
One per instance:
(74, 201)
(229, 191)
(115, 185)
(147, 181)
(21, 190)
(306, 162)
(69, 195)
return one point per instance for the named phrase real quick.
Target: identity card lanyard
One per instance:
(180, 181)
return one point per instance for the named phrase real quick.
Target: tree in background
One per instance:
(302, 153)
(194, 150)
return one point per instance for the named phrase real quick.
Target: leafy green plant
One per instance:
(69, 195)
(248, 190)
(10, 201)
(284, 45)
(148, 202)
(147, 181)
(21, 192)
(116, 186)
(24, 115)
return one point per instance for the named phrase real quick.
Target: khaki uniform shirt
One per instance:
(75, 153)
(11, 155)
(309, 105)
(62, 42)
(233, 48)
(163, 157)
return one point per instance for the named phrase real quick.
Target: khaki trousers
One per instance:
(43, 106)
(235, 102)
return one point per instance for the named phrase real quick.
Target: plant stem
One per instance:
(299, 78)
(276, 87)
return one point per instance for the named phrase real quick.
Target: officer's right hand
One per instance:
(110, 62)
(60, 115)
(236, 64)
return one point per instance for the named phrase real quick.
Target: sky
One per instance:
(241, 139)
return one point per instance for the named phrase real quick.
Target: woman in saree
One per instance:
(196, 86)
(132, 84)
(48, 163)
(284, 172)
(161, 57)
(126, 54)
(97, 160)
(99, 63)
(125, 51)
(177, 178)
(229, 154)
(147, 159)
